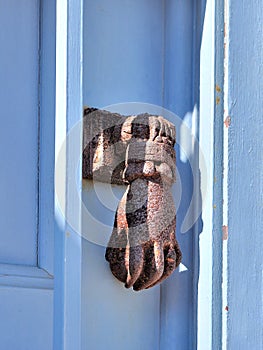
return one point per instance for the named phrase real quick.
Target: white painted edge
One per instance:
(61, 98)
(69, 108)
(209, 319)
(206, 139)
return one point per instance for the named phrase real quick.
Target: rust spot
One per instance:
(68, 234)
(226, 308)
(218, 88)
(217, 100)
(225, 232)
(227, 121)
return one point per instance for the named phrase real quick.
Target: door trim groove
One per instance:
(23, 276)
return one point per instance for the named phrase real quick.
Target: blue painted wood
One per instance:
(245, 212)
(69, 109)
(123, 47)
(26, 321)
(112, 316)
(136, 51)
(25, 276)
(19, 67)
(123, 62)
(209, 312)
(73, 242)
(26, 291)
(177, 307)
(218, 170)
(47, 135)
(60, 135)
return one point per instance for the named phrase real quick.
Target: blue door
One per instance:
(26, 282)
(134, 50)
(129, 56)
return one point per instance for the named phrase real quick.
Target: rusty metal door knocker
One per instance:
(137, 151)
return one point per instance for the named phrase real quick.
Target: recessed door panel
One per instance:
(26, 291)
(19, 70)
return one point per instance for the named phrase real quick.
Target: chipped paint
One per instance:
(227, 121)
(218, 89)
(225, 232)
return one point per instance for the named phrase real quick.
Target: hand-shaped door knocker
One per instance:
(137, 151)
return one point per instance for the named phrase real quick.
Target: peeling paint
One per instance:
(227, 121)
(225, 232)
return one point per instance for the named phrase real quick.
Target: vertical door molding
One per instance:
(209, 313)
(67, 286)
(47, 83)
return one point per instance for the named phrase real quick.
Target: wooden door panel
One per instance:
(26, 318)
(26, 290)
(19, 69)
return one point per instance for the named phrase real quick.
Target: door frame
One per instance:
(211, 117)
(69, 109)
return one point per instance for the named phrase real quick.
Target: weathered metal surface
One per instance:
(138, 151)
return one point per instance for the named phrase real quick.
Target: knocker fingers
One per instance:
(116, 259)
(153, 266)
(143, 266)
(116, 250)
(134, 263)
(172, 258)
